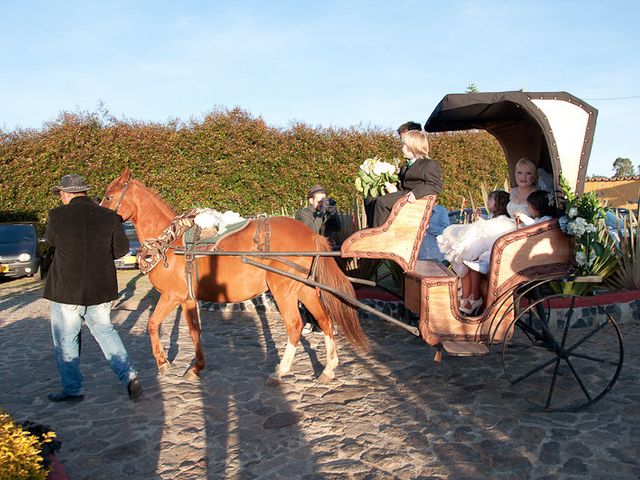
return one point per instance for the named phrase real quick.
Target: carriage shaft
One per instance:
(353, 301)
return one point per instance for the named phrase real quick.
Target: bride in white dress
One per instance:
(469, 242)
(527, 183)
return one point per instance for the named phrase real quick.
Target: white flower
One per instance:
(577, 227)
(378, 168)
(367, 166)
(581, 258)
(228, 218)
(207, 218)
(573, 212)
(390, 187)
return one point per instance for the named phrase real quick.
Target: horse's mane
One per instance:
(164, 207)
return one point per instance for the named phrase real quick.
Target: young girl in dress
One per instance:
(468, 242)
(540, 209)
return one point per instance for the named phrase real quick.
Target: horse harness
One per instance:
(154, 250)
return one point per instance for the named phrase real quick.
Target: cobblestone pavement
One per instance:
(391, 414)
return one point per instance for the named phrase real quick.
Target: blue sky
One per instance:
(339, 63)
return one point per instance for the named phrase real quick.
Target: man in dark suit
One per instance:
(81, 285)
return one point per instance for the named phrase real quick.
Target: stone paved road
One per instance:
(391, 414)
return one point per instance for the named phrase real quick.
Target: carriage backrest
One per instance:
(528, 253)
(400, 237)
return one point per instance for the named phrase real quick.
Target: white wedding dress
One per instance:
(473, 240)
(513, 208)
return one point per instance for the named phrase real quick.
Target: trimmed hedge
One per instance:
(226, 160)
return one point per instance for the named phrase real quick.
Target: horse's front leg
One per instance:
(190, 308)
(163, 307)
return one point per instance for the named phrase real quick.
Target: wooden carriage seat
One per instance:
(400, 237)
(535, 252)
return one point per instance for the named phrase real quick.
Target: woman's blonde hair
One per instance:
(525, 163)
(417, 143)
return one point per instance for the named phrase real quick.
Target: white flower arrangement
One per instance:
(581, 214)
(579, 226)
(208, 218)
(376, 177)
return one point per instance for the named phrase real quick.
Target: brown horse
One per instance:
(224, 279)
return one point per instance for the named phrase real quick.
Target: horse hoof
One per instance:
(273, 380)
(191, 376)
(324, 378)
(164, 368)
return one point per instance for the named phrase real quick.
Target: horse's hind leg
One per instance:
(163, 307)
(190, 308)
(288, 306)
(311, 301)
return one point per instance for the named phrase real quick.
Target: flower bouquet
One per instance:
(376, 178)
(595, 249)
(582, 215)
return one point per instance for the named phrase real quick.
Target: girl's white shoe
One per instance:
(473, 307)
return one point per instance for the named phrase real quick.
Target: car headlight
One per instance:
(24, 257)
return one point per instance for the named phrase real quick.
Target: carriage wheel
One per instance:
(563, 362)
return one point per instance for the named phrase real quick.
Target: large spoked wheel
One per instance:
(562, 359)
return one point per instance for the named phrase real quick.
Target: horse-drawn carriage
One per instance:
(558, 363)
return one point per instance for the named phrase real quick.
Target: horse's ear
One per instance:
(126, 175)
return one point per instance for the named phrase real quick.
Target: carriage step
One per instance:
(465, 349)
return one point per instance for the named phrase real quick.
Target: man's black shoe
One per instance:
(63, 397)
(134, 388)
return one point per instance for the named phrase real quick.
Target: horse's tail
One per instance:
(340, 312)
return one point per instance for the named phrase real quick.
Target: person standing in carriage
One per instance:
(419, 176)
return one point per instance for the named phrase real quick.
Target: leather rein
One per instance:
(124, 190)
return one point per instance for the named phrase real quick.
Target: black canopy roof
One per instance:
(553, 129)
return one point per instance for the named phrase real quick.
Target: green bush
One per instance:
(226, 160)
(21, 455)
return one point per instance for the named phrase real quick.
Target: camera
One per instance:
(328, 202)
(327, 205)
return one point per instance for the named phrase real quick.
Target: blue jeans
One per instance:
(66, 324)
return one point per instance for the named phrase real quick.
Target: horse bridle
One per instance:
(124, 190)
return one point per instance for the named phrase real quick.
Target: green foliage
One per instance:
(595, 250)
(604, 265)
(583, 219)
(227, 160)
(628, 275)
(21, 452)
(623, 167)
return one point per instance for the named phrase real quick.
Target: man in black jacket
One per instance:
(321, 214)
(82, 283)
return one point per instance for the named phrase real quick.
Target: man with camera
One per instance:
(321, 215)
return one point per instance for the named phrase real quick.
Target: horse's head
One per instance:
(115, 196)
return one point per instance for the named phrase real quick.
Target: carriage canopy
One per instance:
(553, 129)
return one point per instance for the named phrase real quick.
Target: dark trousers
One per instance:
(382, 207)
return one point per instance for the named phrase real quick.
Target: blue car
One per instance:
(21, 252)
